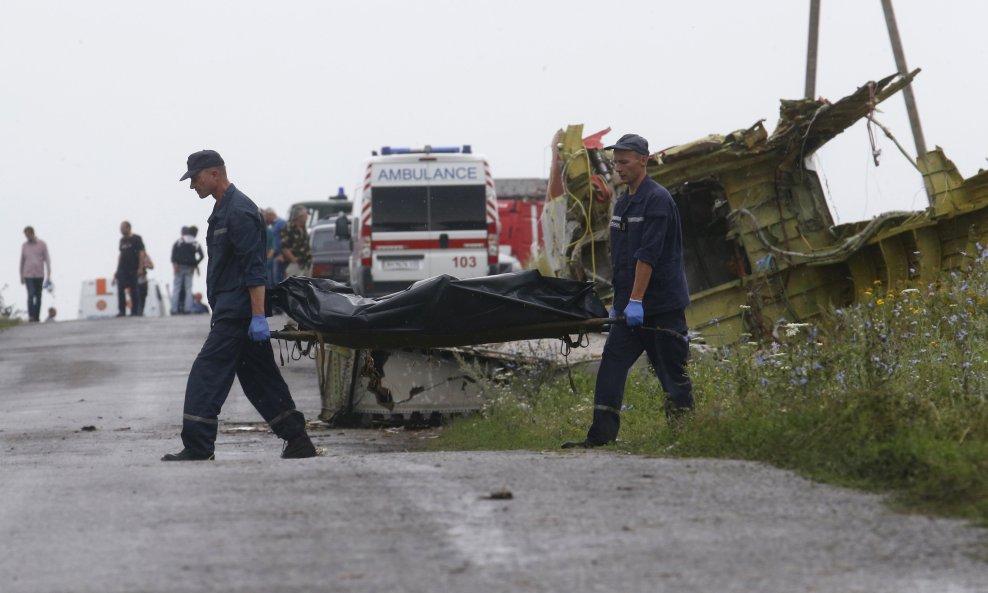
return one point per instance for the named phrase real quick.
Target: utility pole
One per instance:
(900, 63)
(811, 49)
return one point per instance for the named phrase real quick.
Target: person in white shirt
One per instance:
(35, 271)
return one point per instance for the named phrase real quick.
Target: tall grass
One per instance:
(8, 314)
(888, 394)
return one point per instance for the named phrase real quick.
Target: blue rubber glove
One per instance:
(634, 313)
(613, 312)
(259, 330)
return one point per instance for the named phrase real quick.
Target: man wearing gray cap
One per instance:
(239, 338)
(649, 290)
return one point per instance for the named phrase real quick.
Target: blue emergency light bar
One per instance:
(388, 150)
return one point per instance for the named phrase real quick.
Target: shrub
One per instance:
(8, 314)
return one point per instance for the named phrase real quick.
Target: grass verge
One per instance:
(888, 395)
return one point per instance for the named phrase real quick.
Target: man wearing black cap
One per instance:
(649, 289)
(238, 342)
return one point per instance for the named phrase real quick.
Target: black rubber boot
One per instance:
(677, 416)
(186, 455)
(584, 444)
(300, 447)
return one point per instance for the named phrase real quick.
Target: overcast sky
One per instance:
(103, 101)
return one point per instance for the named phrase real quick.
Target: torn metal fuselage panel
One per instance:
(759, 240)
(414, 386)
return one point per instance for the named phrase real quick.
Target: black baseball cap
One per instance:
(632, 142)
(203, 159)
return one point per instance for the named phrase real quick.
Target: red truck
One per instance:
(519, 206)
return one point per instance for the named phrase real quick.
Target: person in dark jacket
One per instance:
(649, 289)
(239, 337)
(130, 267)
(186, 256)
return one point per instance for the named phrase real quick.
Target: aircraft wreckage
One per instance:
(761, 248)
(760, 243)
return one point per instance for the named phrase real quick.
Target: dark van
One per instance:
(331, 249)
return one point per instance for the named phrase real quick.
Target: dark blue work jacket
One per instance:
(235, 242)
(645, 226)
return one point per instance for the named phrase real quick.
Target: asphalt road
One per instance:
(94, 510)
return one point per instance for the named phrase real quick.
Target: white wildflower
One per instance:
(792, 329)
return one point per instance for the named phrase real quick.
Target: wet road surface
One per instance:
(87, 408)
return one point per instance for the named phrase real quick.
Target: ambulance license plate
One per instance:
(401, 265)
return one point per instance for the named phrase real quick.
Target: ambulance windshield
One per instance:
(397, 209)
(429, 208)
(457, 207)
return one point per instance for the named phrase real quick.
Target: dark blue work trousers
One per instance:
(34, 286)
(228, 351)
(668, 352)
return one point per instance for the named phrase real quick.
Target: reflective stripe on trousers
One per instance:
(668, 354)
(229, 353)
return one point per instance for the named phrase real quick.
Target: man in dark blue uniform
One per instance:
(649, 289)
(239, 337)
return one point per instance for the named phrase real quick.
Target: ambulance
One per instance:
(98, 300)
(421, 213)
